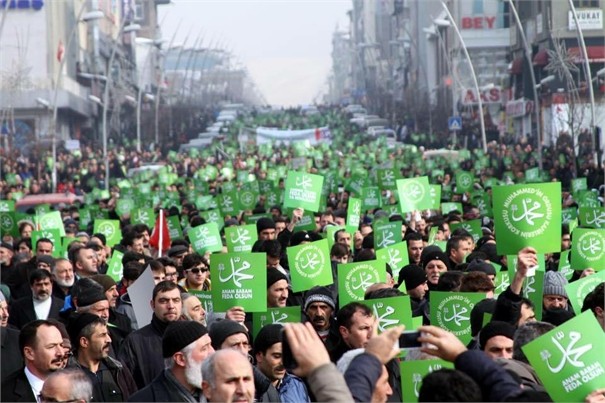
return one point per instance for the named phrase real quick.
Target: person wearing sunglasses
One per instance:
(197, 273)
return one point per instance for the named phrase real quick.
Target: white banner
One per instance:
(318, 135)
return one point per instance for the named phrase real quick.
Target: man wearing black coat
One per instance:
(141, 351)
(40, 305)
(41, 346)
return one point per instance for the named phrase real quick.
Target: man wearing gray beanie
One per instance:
(554, 296)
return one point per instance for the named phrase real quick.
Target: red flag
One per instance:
(317, 134)
(60, 51)
(160, 234)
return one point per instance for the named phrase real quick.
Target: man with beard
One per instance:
(63, 278)
(268, 352)
(89, 336)
(193, 309)
(41, 305)
(119, 324)
(319, 308)
(140, 350)
(185, 346)
(40, 343)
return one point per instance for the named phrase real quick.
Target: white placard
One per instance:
(140, 293)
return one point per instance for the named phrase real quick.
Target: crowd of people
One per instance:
(70, 331)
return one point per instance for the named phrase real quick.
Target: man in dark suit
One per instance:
(40, 343)
(41, 305)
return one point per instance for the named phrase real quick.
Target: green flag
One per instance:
(205, 238)
(592, 217)
(391, 312)
(412, 374)
(414, 194)
(570, 359)
(528, 215)
(355, 278)
(239, 279)
(240, 238)
(287, 314)
(310, 265)
(114, 267)
(588, 248)
(111, 230)
(303, 190)
(386, 234)
(451, 311)
(579, 289)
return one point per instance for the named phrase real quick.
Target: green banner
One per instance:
(396, 256)
(414, 194)
(570, 359)
(592, 217)
(111, 230)
(303, 190)
(114, 266)
(355, 278)
(391, 312)
(239, 279)
(241, 238)
(353, 214)
(287, 314)
(579, 289)
(588, 248)
(386, 234)
(412, 374)
(310, 265)
(205, 238)
(451, 311)
(528, 215)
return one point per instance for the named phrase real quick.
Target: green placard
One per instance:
(174, 227)
(274, 197)
(390, 312)
(435, 191)
(287, 314)
(473, 227)
(387, 178)
(241, 238)
(52, 221)
(464, 181)
(412, 373)
(303, 190)
(532, 175)
(578, 184)
(228, 203)
(213, 216)
(579, 289)
(205, 298)
(502, 282)
(532, 290)
(588, 248)
(452, 311)
(353, 214)
(114, 266)
(564, 265)
(8, 224)
(143, 216)
(205, 238)
(484, 204)
(355, 278)
(239, 279)
(111, 230)
(568, 214)
(52, 234)
(570, 359)
(592, 217)
(448, 207)
(7, 206)
(414, 194)
(370, 197)
(247, 199)
(528, 215)
(310, 265)
(124, 206)
(386, 234)
(587, 198)
(395, 256)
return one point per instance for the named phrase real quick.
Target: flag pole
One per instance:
(161, 242)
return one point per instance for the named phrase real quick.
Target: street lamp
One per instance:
(82, 17)
(545, 80)
(451, 22)
(117, 40)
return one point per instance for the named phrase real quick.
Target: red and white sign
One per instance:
(478, 22)
(519, 108)
(494, 95)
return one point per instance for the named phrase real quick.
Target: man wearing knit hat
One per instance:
(120, 325)
(554, 295)
(319, 307)
(416, 287)
(435, 263)
(185, 346)
(265, 227)
(268, 353)
(496, 339)
(90, 338)
(277, 289)
(484, 267)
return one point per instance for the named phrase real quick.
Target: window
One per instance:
(139, 10)
(586, 3)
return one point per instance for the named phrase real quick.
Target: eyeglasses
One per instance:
(48, 399)
(197, 270)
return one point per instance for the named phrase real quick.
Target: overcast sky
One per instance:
(285, 44)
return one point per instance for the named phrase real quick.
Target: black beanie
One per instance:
(76, 323)
(267, 337)
(413, 275)
(436, 255)
(274, 275)
(90, 296)
(495, 328)
(482, 266)
(264, 223)
(299, 237)
(478, 312)
(220, 330)
(319, 294)
(179, 335)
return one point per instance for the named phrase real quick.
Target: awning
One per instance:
(596, 54)
(541, 58)
(516, 67)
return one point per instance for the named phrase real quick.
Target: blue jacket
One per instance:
(362, 375)
(292, 390)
